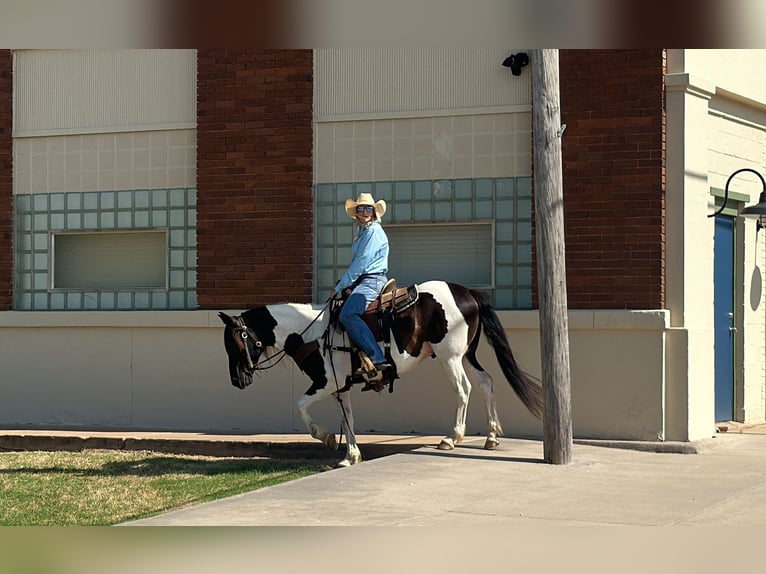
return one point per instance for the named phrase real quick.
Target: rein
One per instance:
(281, 354)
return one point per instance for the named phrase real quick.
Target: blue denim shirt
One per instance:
(369, 254)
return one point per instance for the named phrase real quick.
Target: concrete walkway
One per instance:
(723, 484)
(720, 481)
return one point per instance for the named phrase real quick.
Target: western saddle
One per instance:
(379, 317)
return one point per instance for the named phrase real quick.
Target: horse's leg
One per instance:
(478, 375)
(353, 454)
(317, 431)
(459, 380)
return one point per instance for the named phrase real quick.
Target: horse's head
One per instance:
(245, 338)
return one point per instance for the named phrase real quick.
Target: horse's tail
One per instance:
(530, 393)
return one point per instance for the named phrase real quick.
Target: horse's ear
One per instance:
(227, 320)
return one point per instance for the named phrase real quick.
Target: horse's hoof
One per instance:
(446, 444)
(348, 462)
(331, 442)
(491, 444)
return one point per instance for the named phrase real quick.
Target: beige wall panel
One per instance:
(168, 371)
(181, 381)
(85, 91)
(143, 370)
(381, 81)
(105, 162)
(69, 378)
(617, 365)
(439, 147)
(676, 389)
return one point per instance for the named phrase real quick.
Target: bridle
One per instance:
(244, 332)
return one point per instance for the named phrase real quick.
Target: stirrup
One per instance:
(373, 376)
(376, 385)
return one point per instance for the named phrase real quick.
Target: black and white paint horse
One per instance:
(445, 322)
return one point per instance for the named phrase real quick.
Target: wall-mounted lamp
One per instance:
(516, 62)
(757, 211)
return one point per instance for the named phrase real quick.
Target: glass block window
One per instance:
(476, 232)
(43, 220)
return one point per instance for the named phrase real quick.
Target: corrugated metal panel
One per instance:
(359, 82)
(85, 91)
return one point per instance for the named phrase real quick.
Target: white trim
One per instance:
(736, 119)
(692, 85)
(513, 109)
(592, 320)
(104, 130)
(121, 319)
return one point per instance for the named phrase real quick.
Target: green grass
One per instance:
(101, 488)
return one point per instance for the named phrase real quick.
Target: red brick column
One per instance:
(6, 180)
(254, 177)
(613, 151)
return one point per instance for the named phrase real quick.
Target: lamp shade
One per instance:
(758, 210)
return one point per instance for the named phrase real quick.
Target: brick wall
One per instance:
(254, 177)
(614, 178)
(6, 180)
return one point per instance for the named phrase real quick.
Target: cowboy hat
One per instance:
(365, 199)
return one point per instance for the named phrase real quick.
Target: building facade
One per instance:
(142, 191)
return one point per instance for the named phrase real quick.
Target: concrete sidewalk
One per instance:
(724, 483)
(406, 480)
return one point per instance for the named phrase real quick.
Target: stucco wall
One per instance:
(168, 371)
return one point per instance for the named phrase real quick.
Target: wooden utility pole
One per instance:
(551, 267)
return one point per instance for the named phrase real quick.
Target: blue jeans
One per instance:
(365, 292)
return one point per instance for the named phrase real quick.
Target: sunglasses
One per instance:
(364, 208)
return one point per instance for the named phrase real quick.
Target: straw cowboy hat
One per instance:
(365, 199)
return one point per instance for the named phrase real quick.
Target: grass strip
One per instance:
(105, 487)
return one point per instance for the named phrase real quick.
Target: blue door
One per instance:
(723, 303)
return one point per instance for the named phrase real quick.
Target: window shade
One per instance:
(127, 260)
(455, 253)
